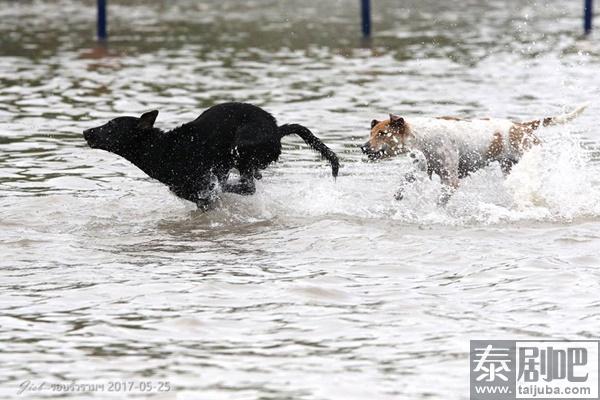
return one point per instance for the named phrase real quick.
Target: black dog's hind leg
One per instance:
(222, 175)
(256, 145)
(245, 186)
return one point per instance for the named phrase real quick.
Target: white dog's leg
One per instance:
(414, 174)
(446, 166)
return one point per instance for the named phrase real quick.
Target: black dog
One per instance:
(192, 158)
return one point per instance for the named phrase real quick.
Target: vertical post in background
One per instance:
(366, 17)
(587, 18)
(102, 20)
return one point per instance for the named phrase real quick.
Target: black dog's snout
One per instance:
(365, 148)
(91, 137)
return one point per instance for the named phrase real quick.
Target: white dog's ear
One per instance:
(147, 119)
(396, 120)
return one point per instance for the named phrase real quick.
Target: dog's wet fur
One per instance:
(192, 158)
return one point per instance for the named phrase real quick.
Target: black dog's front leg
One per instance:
(203, 203)
(245, 186)
(202, 191)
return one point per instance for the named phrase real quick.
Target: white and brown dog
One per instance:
(455, 147)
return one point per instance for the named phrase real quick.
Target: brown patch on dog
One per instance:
(521, 136)
(537, 122)
(389, 128)
(496, 147)
(532, 125)
(389, 135)
(544, 122)
(515, 135)
(379, 126)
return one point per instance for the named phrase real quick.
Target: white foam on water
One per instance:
(556, 182)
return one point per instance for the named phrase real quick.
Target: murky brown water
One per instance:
(312, 288)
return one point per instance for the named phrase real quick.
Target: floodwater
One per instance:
(312, 288)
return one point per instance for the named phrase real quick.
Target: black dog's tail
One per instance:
(314, 142)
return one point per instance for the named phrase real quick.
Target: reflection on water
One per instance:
(312, 288)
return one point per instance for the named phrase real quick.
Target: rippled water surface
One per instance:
(312, 288)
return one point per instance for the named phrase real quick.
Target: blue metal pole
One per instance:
(588, 11)
(366, 17)
(102, 20)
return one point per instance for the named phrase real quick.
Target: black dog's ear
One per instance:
(373, 123)
(396, 120)
(147, 119)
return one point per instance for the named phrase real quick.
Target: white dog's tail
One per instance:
(564, 118)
